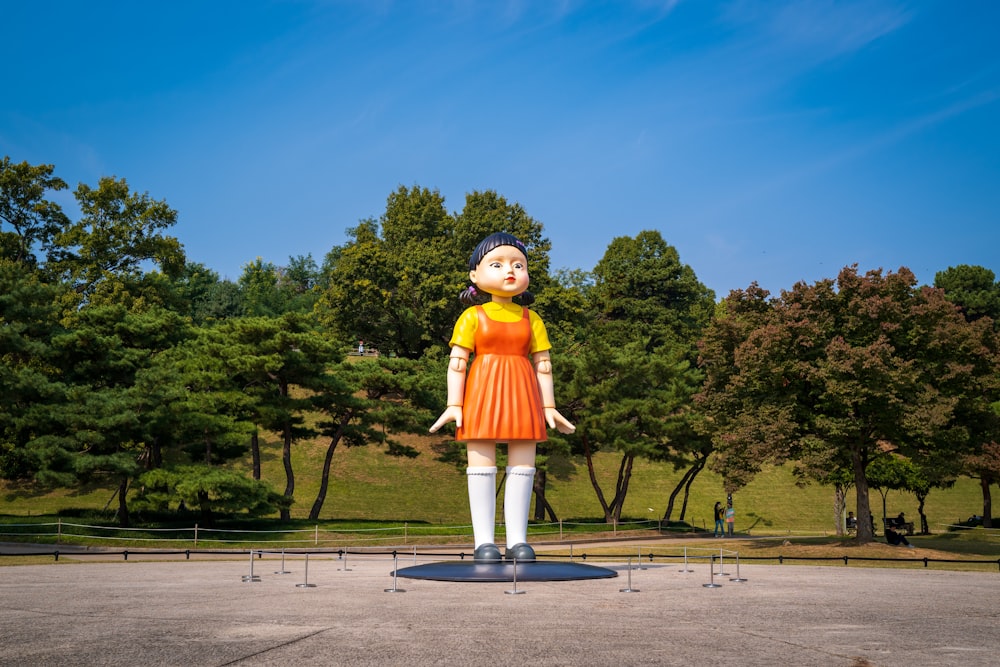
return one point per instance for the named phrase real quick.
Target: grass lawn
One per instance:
(371, 490)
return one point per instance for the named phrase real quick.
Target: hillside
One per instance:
(366, 483)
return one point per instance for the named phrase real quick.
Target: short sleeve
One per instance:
(465, 329)
(539, 337)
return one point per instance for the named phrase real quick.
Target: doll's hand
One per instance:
(558, 422)
(453, 413)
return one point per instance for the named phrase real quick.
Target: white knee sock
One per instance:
(483, 502)
(517, 503)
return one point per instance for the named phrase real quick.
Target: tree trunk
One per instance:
(208, 448)
(123, 517)
(593, 479)
(207, 518)
(621, 486)
(286, 456)
(865, 528)
(286, 460)
(685, 485)
(839, 503)
(687, 488)
(255, 453)
(673, 496)
(324, 482)
(924, 529)
(542, 506)
(984, 482)
(155, 459)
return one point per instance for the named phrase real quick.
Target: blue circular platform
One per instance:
(504, 571)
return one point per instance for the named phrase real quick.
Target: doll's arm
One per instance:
(543, 371)
(457, 365)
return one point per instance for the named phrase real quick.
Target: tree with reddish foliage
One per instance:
(827, 375)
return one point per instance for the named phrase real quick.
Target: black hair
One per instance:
(470, 296)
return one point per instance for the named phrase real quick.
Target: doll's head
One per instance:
(492, 242)
(470, 296)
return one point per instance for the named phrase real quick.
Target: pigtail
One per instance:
(470, 296)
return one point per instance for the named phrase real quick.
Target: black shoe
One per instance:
(487, 553)
(521, 552)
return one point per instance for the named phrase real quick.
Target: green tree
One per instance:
(118, 231)
(205, 296)
(629, 383)
(282, 363)
(29, 380)
(976, 292)
(193, 404)
(887, 473)
(985, 464)
(642, 291)
(364, 403)
(487, 212)
(97, 432)
(974, 289)
(629, 401)
(211, 489)
(299, 280)
(34, 221)
(395, 285)
(260, 294)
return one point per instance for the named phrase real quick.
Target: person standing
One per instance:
(730, 516)
(720, 528)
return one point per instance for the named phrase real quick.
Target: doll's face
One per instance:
(503, 273)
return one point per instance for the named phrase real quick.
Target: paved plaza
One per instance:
(202, 612)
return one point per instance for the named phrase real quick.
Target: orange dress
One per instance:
(502, 398)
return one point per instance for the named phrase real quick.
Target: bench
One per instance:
(898, 524)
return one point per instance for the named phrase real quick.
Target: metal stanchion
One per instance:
(737, 578)
(395, 567)
(514, 591)
(305, 582)
(251, 578)
(628, 588)
(711, 576)
(721, 573)
(686, 568)
(282, 570)
(639, 560)
(345, 568)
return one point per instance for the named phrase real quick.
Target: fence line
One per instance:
(407, 533)
(65, 529)
(652, 556)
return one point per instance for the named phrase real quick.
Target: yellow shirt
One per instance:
(468, 322)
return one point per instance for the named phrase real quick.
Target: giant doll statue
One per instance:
(504, 396)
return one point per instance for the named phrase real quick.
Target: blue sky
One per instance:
(767, 141)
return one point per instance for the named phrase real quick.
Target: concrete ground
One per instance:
(201, 612)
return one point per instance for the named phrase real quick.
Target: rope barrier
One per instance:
(684, 555)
